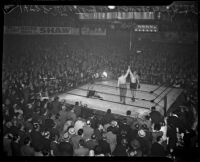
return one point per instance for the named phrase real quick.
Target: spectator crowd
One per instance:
(35, 124)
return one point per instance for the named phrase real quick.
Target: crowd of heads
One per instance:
(35, 124)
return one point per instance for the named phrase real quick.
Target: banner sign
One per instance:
(31, 30)
(95, 31)
(41, 30)
(20, 30)
(67, 10)
(117, 15)
(59, 30)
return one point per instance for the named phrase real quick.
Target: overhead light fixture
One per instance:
(111, 7)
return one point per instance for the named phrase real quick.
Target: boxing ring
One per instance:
(146, 97)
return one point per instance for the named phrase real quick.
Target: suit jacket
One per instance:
(105, 146)
(7, 146)
(87, 132)
(27, 151)
(98, 134)
(63, 115)
(15, 149)
(129, 120)
(107, 118)
(36, 138)
(120, 150)
(81, 151)
(74, 140)
(156, 117)
(111, 139)
(71, 116)
(91, 144)
(77, 110)
(55, 107)
(157, 150)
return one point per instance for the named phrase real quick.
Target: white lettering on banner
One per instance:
(59, 30)
(41, 30)
(116, 15)
(11, 29)
(96, 31)
(20, 30)
(29, 30)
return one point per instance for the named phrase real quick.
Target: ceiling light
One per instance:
(111, 7)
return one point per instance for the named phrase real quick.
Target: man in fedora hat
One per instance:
(144, 138)
(87, 131)
(111, 139)
(157, 148)
(71, 131)
(74, 140)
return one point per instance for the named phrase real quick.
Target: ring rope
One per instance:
(109, 101)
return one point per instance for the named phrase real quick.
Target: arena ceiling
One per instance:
(66, 10)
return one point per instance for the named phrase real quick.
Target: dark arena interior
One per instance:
(82, 80)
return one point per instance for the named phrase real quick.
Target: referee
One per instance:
(122, 86)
